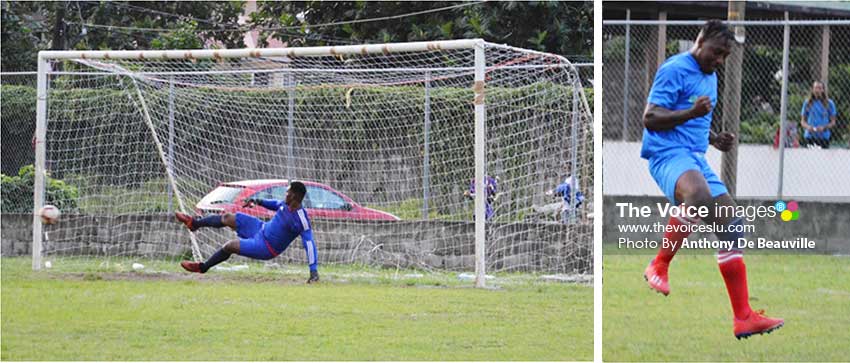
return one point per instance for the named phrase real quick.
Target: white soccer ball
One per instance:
(49, 214)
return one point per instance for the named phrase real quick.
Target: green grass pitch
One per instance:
(115, 313)
(694, 323)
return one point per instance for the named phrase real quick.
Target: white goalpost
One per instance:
(393, 140)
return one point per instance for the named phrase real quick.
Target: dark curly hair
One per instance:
(298, 188)
(715, 28)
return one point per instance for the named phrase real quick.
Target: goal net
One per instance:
(383, 136)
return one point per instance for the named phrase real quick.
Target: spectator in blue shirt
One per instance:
(818, 116)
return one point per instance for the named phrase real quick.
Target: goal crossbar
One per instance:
(265, 52)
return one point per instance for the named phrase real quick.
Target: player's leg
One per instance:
(677, 174)
(212, 220)
(693, 190)
(224, 253)
(250, 243)
(488, 211)
(728, 227)
(678, 228)
(247, 228)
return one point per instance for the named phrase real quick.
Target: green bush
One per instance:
(759, 129)
(16, 192)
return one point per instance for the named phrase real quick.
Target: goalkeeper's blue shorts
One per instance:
(251, 241)
(667, 167)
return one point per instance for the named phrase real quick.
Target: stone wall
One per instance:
(544, 247)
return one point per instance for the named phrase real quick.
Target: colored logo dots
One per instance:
(788, 211)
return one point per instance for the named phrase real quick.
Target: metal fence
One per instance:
(755, 86)
(18, 120)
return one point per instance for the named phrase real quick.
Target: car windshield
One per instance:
(323, 199)
(222, 194)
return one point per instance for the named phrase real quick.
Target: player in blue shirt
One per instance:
(491, 197)
(563, 190)
(677, 133)
(257, 239)
(818, 116)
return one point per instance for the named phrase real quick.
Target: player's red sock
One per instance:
(734, 271)
(674, 234)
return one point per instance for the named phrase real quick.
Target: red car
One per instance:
(321, 201)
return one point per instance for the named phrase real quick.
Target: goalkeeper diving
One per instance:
(257, 239)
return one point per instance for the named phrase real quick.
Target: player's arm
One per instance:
(270, 204)
(723, 141)
(667, 88)
(658, 118)
(309, 244)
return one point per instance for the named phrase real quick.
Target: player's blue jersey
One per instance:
(678, 83)
(564, 190)
(286, 224)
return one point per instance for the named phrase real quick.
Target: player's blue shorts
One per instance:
(667, 167)
(251, 241)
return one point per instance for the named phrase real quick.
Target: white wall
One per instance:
(810, 174)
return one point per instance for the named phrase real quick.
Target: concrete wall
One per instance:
(810, 174)
(545, 247)
(825, 223)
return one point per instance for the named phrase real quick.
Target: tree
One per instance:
(558, 27)
(28, 27)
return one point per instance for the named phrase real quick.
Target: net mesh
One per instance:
(384, 143)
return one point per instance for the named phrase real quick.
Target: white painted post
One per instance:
(40, 160)
(480, 140)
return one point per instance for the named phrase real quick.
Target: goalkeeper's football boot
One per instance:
(314, 277)
(656, 276)
(191, 266)
(187, 220)
(756, 323)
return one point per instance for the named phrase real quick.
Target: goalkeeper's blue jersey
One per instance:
(286, 224)
(677, 85)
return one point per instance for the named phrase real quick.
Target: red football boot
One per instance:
(191, 266)
(187, 220)
(656, 276)
(756, 323)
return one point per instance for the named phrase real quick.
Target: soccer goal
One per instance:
(390, 139)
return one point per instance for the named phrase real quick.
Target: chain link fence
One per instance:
(750, 102)
(17, 101)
